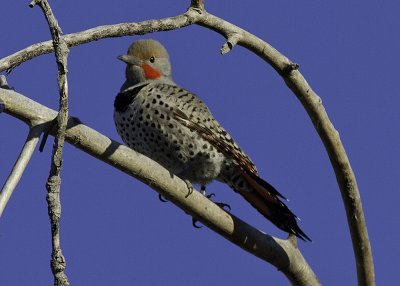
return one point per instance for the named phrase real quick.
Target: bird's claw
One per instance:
(161, 198)
(209, 196)
(190, 188)
(194, 223)
(223, 206)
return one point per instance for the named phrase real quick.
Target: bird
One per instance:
(172, 126)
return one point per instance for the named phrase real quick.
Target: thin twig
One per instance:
(283, 254)
(58, 263)
(19, 166)
(230, 43)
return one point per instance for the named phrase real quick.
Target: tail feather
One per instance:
(251, 177)
(265, 199)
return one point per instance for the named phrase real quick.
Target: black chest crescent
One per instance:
(126, 97)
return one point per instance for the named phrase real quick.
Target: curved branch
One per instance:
(283, 254)
(312, 103)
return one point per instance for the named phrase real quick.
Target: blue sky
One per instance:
(114, 229)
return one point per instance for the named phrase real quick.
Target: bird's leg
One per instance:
(203, 190)
(190, 191)
(190, 187)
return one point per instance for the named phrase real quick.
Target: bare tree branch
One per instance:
(19, 166)
(283, 254)
(344, 176)
(118, 30)
(58, 262)
(293, 78)
(312, 103)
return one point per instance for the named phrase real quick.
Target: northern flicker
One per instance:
(172, 126)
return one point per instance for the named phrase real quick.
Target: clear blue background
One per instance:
(114, 229)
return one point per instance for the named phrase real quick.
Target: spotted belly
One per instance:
(160, 137)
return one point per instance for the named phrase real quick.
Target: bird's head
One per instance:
(147, 60)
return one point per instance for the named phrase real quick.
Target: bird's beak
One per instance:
(130, 60)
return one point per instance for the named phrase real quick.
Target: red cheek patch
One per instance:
(149, 72)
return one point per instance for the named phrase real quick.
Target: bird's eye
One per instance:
(152, 59)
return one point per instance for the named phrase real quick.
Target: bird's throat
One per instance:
(150, 72)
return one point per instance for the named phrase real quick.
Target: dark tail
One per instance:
(265, 198)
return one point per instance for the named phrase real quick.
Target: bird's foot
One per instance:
(190, 188)
(190, 191)
(223, 206)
